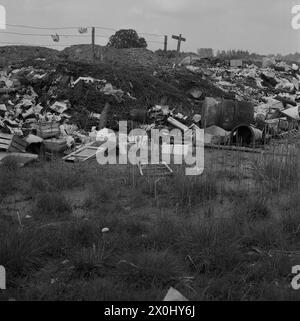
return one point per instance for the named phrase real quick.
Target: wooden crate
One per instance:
(5, 141)
(47, 129)
(17, 145)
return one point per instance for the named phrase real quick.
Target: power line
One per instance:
(62, 35)
(150, 34)
(70, 28)
(54, 28)
(31, 44)
(42, 45)
(48, 35)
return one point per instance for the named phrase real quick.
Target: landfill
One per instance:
(46, 109)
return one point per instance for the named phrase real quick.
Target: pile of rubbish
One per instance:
(266, 96)
(52, 108)
(32, 123)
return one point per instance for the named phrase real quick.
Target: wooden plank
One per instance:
(4, 146)
(6, 136)
(5, 141)
(20, 141)
(48, 129)
(17, 145)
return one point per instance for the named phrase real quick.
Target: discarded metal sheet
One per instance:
(82, 154)
(155, 170)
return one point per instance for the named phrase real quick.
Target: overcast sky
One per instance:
(262, 26)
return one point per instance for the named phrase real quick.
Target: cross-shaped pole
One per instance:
(179, 39)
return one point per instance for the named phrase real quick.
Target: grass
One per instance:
(52, 205)
(151, 268)
(176, 239)
(8, 179)
(278, 174)
(22, 251)
(191, 191)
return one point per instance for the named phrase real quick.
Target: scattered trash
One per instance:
(292, 113)
(174, 295)
(59, 107)
(155, 170)
(242, 97)
(245, 135)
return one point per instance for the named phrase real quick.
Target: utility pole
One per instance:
(166, 43)
(179, 39)
(93, 43)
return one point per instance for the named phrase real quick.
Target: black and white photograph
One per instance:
(149, 153)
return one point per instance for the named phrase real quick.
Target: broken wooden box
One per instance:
(47, 129)
(12, 143)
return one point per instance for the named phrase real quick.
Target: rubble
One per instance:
(46, 107)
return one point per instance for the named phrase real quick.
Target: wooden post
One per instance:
(166, 43)
(179, 39)
(93, 42)
(104, 116)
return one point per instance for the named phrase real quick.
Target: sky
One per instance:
(262, 26)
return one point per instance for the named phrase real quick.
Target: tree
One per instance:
(126, 38)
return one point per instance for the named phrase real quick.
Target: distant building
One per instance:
(236, 63)
(205, 52)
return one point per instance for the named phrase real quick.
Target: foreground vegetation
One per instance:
(86, 232)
